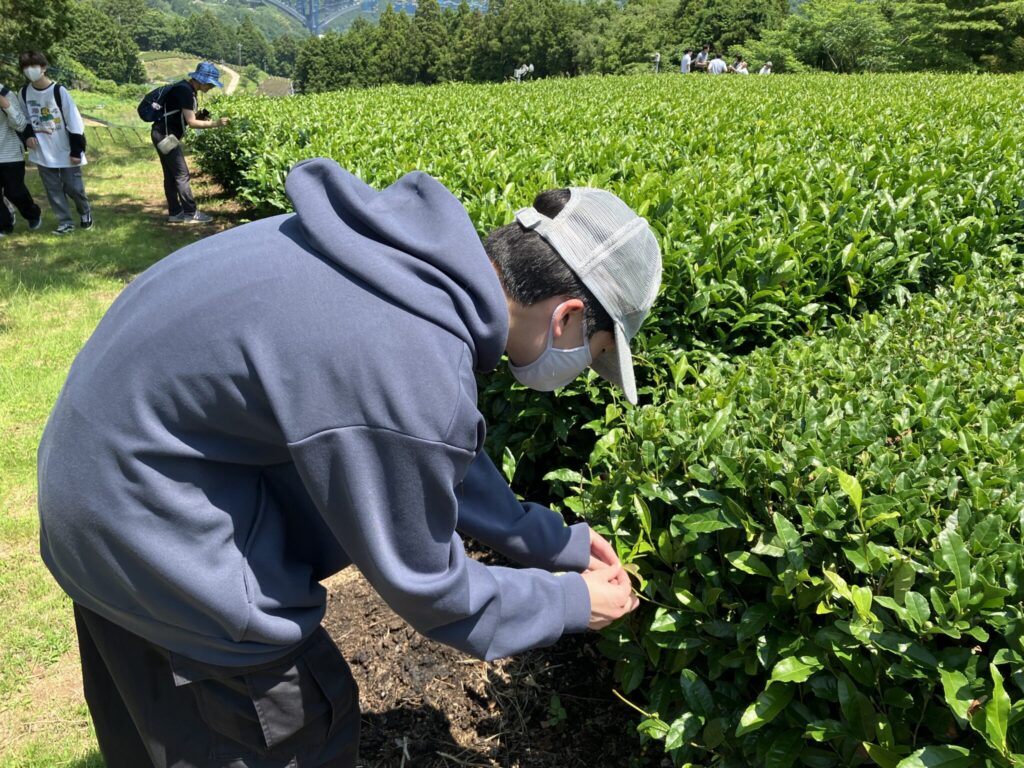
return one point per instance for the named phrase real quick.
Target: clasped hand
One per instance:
(611, 593)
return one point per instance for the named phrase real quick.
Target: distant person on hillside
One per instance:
(740, 68)
(14, 135)
(178, 109)
(59, 150)
(269, 406)
(766, 69)
(701, 64)
(717, 65)
(687, 62)
(657, 61)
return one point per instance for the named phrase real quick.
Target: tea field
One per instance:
(820, 493)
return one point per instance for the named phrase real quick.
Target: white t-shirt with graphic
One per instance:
(48, 122)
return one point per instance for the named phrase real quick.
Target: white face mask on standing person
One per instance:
(33, 73)
(555, 368)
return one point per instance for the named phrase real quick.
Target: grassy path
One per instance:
(53, 291)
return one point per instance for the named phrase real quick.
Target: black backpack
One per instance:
(151, 108)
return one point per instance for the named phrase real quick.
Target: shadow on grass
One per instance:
(92, 760)
(130, 231)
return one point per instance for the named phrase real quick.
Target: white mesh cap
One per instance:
(615, 254)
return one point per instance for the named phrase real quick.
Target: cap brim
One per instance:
(616, 366)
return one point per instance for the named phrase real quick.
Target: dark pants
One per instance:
(12, 186)
(153, 708)
(177, 188)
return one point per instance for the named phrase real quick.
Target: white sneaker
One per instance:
(64, 229)
(198, 218)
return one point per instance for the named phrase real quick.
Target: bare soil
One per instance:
(427, 705)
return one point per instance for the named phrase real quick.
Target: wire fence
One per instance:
(116, 135)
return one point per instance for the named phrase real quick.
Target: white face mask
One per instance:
(33, 73)
(555, 367)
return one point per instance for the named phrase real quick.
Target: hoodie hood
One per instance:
(426, 257)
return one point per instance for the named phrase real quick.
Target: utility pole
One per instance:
(239, 57)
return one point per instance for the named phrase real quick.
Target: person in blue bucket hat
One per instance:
(176, 109)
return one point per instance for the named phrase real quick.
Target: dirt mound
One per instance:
(428, 706)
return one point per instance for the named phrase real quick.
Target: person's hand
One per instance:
(601, 552)
(32, 143)
(222, 121)
(611, 595)
(4, 103)
(76, 160)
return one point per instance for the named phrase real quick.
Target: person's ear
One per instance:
(564, 313)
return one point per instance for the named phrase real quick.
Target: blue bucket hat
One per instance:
(206, 73)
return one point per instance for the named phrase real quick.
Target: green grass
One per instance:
(162, 66)
(110, 109)
(53, 291)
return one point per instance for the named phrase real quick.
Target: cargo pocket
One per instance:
(276, 711)
(334, 678)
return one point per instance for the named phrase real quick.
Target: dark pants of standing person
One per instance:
(154, 708)
(177, 186)
(12, 186)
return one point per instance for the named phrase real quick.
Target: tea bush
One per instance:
(777, 201)
(828, 537)
(827, 530)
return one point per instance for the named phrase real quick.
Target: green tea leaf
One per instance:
(993, 718)
(682, 730)
(851, 487)
(748, 563)
(695, 691)
(956, 557)
(714, 429)
(882, 756)
(840, 584)
(944, 756)
(784, 750)
(916, 606)
(786, 530)
(754, 619)
(956, 692)
(653, 727)
(768, 705)
(796, 669)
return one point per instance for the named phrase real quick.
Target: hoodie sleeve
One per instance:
(390, 499)
(530, 534)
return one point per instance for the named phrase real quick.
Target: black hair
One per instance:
(531, 270)
(33, 59)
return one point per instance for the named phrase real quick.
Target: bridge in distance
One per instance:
(315, 15)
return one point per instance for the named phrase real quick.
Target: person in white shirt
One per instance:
(717, 66)
(657, 61)
(741, 68)
(766, 69)
(684, 67)
(59, 132)
(14, 131)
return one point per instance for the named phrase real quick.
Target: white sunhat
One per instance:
(616, 256)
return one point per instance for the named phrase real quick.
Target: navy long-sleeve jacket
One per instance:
(276, 402)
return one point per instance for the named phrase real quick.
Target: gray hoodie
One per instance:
(278, 401)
